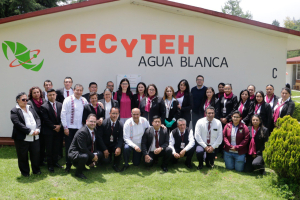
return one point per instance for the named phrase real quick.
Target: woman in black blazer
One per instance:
(210, 100)
(245, 106)
(270, 97)
(36, 100)
(263, 109)
(26, 129)
(185, 100)
(285, 105)
(107, 101)
(172, 109)
(251, 88)
(221, 91)
(93, 108)
(228, 104)
(139, 95)
(152, 105)
(258, 137)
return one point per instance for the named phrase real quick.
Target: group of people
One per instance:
(98, 128)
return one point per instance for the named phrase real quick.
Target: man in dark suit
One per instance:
(83, 149)
(51, 110)
(109, 85)
(111, 138)
(93, 87)
(155, 142)
(66, 91)
(47, 85)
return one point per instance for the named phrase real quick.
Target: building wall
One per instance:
(251, 55)
(289, 76)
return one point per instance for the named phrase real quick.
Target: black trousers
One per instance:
(111, 151)
(42, 147)
(256, 163)
(52, 148)
(195, 118)
(83, 159)
(209, 159)
(166, 154)
(61, 144)
(68, 141)
(189, 155)
(23, 148)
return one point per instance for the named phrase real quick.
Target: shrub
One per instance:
(282, 151)
(296, 113)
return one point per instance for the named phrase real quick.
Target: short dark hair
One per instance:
(47, 81)
(109, 82)
(93, 83)
(68, 77)
(270, 85)
(93, 94)
(78, 85)
(223, 84)
(252, 86)
(34, 88)
(91, 115)
(236, 112)
(153, 85)
(156, 117)
(114, 108)
(19, 95)
(200, 76)
(210, 108)
(51, 90)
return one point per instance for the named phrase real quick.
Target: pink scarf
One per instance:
(252, 97)
(277, 112)
(147, 108)
(252, 146)
(257, 106)
(241, 107)
(269, 100)
(228, 96)
(206, 105)
(179, 94)
(38, 103)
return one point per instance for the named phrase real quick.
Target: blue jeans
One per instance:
(234, 161)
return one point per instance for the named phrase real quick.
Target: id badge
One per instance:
(182, 145)
(111, 139)
(224, 110)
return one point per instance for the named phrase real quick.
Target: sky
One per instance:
(262, 10)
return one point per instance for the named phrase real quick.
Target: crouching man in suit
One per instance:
(83, 149)
(155, 142)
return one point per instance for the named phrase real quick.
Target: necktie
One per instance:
(93, 137)
(156, 140)
(67, 93)
(112, 127)
(54, 109)
(208, 136)
(181, 136)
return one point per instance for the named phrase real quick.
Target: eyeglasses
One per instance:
(236, 117)
(124, 83)
(25, 100)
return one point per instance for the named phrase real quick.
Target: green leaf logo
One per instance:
(22, 55)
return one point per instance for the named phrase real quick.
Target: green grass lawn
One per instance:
(135, 183)
(295, 93)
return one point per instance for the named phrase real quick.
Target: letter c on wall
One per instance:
(273, 73)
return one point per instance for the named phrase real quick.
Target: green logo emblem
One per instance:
(22, 55)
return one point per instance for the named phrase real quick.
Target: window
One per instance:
(298, 72)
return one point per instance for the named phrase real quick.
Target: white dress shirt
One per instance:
(201, 132)
(133, 132)
(233, 134)
(153, 141)
(66, 112)
(29, 123)
(45, 96)
(70, 92)
(188, 147)
(107, 109)
(92, 134)
(180, 100)
(271, 102)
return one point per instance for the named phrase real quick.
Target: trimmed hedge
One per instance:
(296, 113)
(282, 151)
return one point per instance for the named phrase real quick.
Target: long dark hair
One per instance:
(128, 92)
(244, 90)
(213, 99)
(31, 90)
(262, 94)
(186, 83)
(261, 126)
(141, 83)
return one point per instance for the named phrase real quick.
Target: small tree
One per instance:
(282, 151)
(232, 7)
(276, 23)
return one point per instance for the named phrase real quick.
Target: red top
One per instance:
(125, 105)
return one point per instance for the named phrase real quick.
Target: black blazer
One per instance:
(119, 97)
(274, 103)
(174, 111)
(89, 109)
(101, 96)
(82, 144)
(247, 111)
(215, 104)
(265, 114)
(287, 109)
(158, 108)
(19, 129)
(187, 105)
(49, 118)
(37, 110)
(60, 95)
(148, 136)
(105, 133)
(259, 140)
(87, 96)
(135, 100)
(114, 103)
(231, 104)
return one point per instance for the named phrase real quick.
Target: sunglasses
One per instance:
(25, 100)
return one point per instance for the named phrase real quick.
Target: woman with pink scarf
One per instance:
(258, 137)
